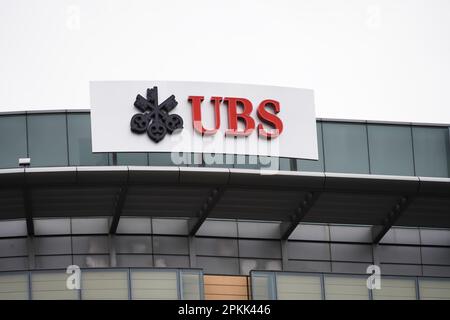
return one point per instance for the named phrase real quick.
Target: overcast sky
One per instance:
(365, 59)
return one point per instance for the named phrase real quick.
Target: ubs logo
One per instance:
(155, 118)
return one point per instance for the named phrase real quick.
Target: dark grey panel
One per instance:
(436, 271)
(431, 151)
(308, 250)
(351, 252)
(259, 248)
(311, 232)
(13, 247)
(133, 244)
(170, 226)
(351, 233)
(401, 236)
(170, 245)
(348, 267)
(218, 228)
(213, 265)
(13, 264)
(134, 225)
(435, 237)
(247, 265)
(345, 147)
(432, 255)
(13, 140)
(91, 261)
(216, 247)
(390, 149)
(399, 254)
(167, 261)
(90, 244)
(53, 262)
(309, 266)
(47, 140)
(134, 260)
(52, 245)
(266, 230)
(401, 269)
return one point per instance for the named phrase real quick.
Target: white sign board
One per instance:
(234, 118)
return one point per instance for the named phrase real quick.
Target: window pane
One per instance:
(13, 228)
(390, 150)
(13, 140)
(13, 247)
(166, 261)
(190, 284)
(314, 165)
(259, 248)
(14, 286)
(47, 140)
(90, 244)
(52, 245)
(104, 285)
(396, 289)
(132, 159)
(298, 287)
(89, 225)
(434, 289)
(51, 226)
(261, 286)
(91, 261)
(345, 147)
(431, 151)
(248, 265)
(13, 264)
(134, 225)
(53, 262)
(218, 265)
(216, 247)
(80, 146)
(346, 288)
(160, 159)
(154, 285)
(170, 226)
(134, 260)
(51, 286)
(133, 244)
(170, 245)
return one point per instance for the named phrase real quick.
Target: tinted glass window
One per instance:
(431, 151)
(47, 139)
(390, 149)
(80, 146)
(345, 147)
(13, 140)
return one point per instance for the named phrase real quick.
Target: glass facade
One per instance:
(62, 139)
(309, 286)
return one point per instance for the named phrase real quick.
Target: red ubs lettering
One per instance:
(266, 112)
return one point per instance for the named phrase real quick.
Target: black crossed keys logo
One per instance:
(155, 118)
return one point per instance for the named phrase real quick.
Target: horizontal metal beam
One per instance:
(121, 197)
(379, 231)
(195, 223)
(287, 227)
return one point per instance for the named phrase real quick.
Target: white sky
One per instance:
(365, 59)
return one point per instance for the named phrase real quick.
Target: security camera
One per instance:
(23, 162)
